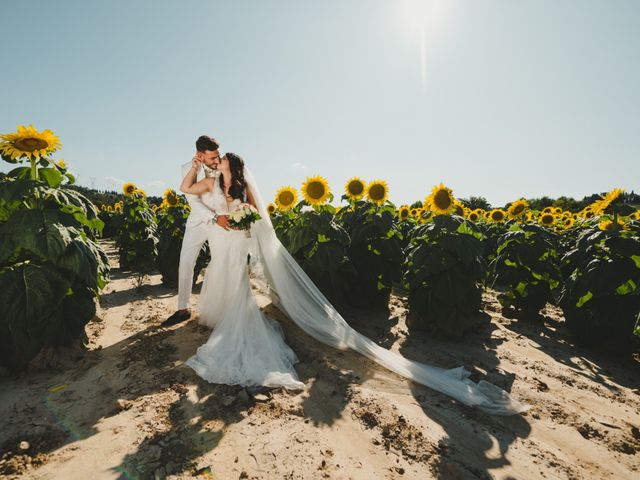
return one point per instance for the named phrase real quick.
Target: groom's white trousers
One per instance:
(194, 238)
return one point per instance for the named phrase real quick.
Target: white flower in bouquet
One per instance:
(242, 215)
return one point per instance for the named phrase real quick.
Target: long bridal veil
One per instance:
(294, 293)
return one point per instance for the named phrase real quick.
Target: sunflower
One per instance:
(425, 215)
(138, 192)
(316, 190)
(517, 208)
(458, 208)
(286, 198)
(171, 197)
(473, 216)
(271, 208)
(599, 206)
(497, 215)
(557, 210)
(547, 210)
(117, 207)
(355, 188)
(441, 200)
(62, 163)
(609, 225)
(28, 142)
(635, 215)
(589, 214)
(568, 222)
(414, 212)
(404, 212)
(378, 192)
(547, 219)
(154, 207)
(128, 188)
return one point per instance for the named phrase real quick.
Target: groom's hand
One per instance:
(223, 221)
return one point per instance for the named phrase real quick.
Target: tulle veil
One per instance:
(296, 295)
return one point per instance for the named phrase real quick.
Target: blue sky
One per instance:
(495, 98)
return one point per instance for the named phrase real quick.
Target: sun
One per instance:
(420, 16)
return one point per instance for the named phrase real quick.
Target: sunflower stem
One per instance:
(34, 169)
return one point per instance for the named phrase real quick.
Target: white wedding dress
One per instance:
(248, 348)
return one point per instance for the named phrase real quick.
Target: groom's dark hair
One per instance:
(206, 143)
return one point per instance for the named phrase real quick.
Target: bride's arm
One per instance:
(189, 184)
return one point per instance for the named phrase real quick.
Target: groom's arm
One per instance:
(198, 208)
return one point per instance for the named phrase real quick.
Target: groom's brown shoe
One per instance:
(177, 317)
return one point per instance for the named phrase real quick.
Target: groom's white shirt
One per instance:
(200, 213)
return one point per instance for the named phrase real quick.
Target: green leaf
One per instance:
(52, 176)
(627, 287)
(40, 232)
(584, 299)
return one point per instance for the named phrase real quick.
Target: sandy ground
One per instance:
(128, 408)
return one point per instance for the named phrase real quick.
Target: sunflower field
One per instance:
(51, 267)
(171, 216)
(438, 253)
(441, 254)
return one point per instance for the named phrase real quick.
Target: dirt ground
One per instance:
(127, 408)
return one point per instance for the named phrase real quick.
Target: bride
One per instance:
(246, 347)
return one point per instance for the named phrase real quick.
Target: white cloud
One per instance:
(155, 184)
(116, 182)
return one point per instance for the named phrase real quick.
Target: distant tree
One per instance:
(475, 202)
(540, 203)
(107, 197)
(417, 204)
(568, 203)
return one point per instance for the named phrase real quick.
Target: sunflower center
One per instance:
(356, 188)
(496, 216)
(517, 210)
(473, 217)
(376, 192)
(316, 190)
(547, 219)
(286, 198)
(30, 144)
(442, 200)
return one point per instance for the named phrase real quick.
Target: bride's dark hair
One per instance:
(238, 183)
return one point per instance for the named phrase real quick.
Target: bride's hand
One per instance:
(223, 221)
(196, 162)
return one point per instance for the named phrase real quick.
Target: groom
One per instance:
(200, 219)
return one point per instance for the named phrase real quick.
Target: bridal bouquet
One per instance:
(243, 215)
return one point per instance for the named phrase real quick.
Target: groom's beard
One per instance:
(210, 171)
